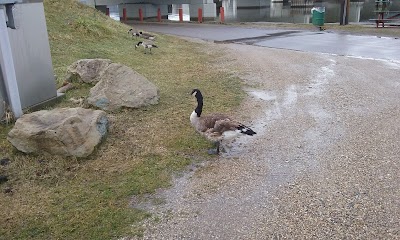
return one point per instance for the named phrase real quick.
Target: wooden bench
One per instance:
(389, 18)
(383, 21)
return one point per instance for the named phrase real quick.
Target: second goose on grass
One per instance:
(145, 46)
(146, 35)
(134, 34)
(216, 127)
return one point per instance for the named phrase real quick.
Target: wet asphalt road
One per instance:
(301, 40)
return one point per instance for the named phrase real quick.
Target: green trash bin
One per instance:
(318, 16)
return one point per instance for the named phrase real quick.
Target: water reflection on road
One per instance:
(307, 41)
(296, 11)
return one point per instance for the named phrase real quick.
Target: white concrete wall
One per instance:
(208, 6)
(355, 11)
(230, 8)
(209, 10)
(278, 10)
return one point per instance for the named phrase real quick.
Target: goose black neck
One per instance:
(199, 107)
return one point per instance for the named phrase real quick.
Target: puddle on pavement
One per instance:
(281, 171)
(290, 96)
(263, 164)
(166, 198)
(272, 112)
(321, 79)
(263, 95)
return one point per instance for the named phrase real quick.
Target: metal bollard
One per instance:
(140, 15)
(124, 14)
(222, 14)
(200, 15)
(159, 15)
(180, 15)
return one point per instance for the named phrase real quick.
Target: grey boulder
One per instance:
(87, 70)
(120, 86)
(63, 131)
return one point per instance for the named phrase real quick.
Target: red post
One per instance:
(180, 15)
(107, 11)
(222, 14)
(140, 15)
(124, 14)
(200, 15)
(159, 14)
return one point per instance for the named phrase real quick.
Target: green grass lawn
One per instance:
(89, 198)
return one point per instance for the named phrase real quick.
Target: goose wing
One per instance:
(224, 125)
(208, 122)
(220, 127)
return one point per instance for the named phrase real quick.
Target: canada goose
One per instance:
(146, 35)
(145, 46)
(215, 127)
(134, 34)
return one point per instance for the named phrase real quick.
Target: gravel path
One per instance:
(324, 164)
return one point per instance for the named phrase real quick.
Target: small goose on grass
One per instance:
(146, 35)
(145, 46)
(216, 127)
(134, 34)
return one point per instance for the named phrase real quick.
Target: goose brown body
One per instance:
(208, 122)
(216, 126)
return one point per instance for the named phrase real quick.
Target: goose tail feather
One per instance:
(246, 130)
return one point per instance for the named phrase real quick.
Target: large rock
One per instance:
(120, 86)
(63, 131)
(87, 70)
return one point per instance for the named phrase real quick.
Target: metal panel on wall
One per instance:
(31, 52)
